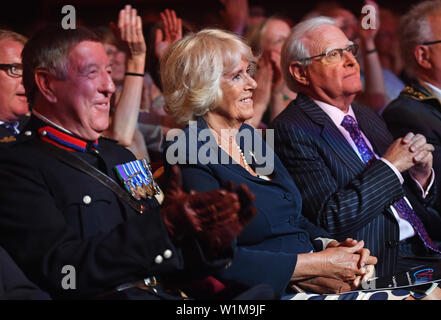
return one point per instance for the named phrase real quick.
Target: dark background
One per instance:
(26, 16)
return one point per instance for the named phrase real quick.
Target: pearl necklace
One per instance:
(219, 138)
(243, 158)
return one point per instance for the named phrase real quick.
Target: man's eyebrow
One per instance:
(349, 43)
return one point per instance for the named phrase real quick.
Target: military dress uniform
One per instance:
(74, 237)
(417, 110)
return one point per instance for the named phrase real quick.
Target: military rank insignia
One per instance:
(7, 139)
(416, 94)
(138, 179)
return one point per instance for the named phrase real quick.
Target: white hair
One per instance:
(415, 29)
(295, 50)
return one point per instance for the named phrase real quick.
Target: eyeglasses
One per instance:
(335, 55)
(13, 69)
(431, 42)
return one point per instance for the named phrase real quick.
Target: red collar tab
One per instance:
(64, 140)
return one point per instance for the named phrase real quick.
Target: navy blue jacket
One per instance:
(267, 248)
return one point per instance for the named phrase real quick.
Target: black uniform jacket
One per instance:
(54, 217)
(417, 110)
(13, 283)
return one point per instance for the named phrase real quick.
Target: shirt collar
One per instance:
(61, 137)
(433, 90)
(335, 113)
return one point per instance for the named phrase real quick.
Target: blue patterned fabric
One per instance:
(11, 127)
(402, 207)
(397, 294)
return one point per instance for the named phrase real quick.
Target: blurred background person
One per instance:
(13, 103)
(418, 107)
(271, 95)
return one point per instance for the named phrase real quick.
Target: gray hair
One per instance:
(294, 49)
(415, 29)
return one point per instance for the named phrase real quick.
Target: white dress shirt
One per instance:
(337, 115)
(433, 90)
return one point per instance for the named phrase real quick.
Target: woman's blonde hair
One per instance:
(192, 68)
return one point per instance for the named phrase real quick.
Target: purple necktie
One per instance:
(402, 207)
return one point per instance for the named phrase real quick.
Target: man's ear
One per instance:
(422, 56)
(44, 81)
(298, 72)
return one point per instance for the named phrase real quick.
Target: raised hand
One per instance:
(129, 32)
(172, 32)
(277, 78)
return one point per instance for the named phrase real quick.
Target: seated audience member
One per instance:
(418, 108)
(13, 103)
(266, 40)
(332, 148)
(69, 197)
(387, 42)
(13, 283)
(234, 15)
(153, 121)
(207, 78)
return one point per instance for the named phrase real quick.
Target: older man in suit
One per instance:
(13, 103)
(354, 179)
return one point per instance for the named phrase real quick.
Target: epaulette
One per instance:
(416, 94)
(9, 141)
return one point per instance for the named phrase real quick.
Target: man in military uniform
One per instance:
(13, 104)
(418, 107)
(74, 230)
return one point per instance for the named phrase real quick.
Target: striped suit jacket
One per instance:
(339, 192)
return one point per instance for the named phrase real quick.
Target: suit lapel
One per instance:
(331, 134)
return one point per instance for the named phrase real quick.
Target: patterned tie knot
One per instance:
(350, 125)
